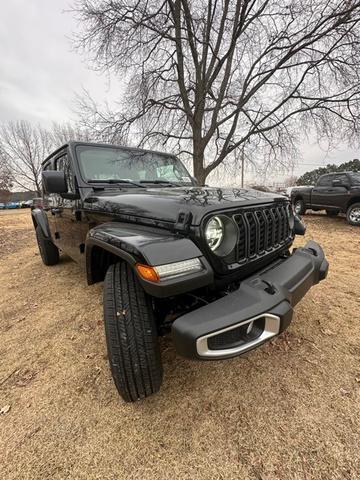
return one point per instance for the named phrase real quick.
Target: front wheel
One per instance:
(353, 214)
(299, 207)
(131, 336)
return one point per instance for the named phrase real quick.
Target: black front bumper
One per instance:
(260, 309)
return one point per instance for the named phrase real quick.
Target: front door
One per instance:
(70, 227)
(321, 191)
(337, 195)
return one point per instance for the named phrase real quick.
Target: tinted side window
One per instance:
(63, 164)
(325, 181)
(355, 178)
(342, 177)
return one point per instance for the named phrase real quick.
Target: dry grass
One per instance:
(289, 410)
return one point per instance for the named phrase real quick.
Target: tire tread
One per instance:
(131, 336)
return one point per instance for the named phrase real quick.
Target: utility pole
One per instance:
(242, 165)
(242, 169)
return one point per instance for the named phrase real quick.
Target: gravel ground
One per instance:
(289, 410)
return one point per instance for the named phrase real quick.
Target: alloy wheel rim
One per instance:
(355, 215)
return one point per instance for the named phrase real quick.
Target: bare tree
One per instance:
(290, 181)
(206, 77)
(23, 147)
(63, 133)
(6, 182)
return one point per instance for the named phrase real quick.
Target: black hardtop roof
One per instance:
(75, 143)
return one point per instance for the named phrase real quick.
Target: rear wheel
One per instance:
(299, 207)
(332, 213)
(353, 214)
(131, 336)
(48, 251)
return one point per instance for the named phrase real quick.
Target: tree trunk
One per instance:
(198, 166)
(198, 156)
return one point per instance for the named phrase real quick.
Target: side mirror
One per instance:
(54, 181)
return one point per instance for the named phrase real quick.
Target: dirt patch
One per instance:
(289, 410)
(14, 231)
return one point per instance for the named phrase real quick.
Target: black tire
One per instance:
(353, 214)
(299, 207)
(48, 251)
(131, 335)
(332, 213)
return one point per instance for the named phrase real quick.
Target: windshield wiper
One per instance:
(117, 181)
(160, 182)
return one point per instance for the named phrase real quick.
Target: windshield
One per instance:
(115, 164)
(355, 178)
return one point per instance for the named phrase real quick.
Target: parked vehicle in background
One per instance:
(2, 206)
(27, 204)
(213, 266)
(12, 205)
(334, 192)
(289, 190)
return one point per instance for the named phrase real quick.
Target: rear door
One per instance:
(49, 202)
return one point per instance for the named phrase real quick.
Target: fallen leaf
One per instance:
(5, 409)
(326, 331)
(344, 392)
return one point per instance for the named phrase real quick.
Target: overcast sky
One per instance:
(40, 74)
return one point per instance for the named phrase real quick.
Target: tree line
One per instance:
(23, 147)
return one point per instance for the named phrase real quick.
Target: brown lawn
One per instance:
(289, 410)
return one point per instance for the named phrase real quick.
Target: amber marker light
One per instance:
(169, 270)
(147, 272)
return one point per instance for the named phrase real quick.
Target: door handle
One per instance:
(54, 211)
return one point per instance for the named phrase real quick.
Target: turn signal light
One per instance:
(147, 272)
(169, 270)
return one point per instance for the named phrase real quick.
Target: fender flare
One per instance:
(39, 218)
(151, 246)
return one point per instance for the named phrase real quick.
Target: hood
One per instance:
(165, 204)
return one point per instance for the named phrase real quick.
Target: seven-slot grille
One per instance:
(262, 229)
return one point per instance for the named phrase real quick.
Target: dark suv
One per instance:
(210, 265)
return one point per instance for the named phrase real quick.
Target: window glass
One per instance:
(325, 181)
(355, 178)
(63, 164)
(342, 177)
(105, 163)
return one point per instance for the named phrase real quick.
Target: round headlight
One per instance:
(214, 232)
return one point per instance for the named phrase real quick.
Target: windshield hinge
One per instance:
(183, 221)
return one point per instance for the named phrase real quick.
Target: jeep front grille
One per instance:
(261, 230)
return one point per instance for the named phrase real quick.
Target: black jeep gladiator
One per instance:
(210, 265)
(333, 192)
